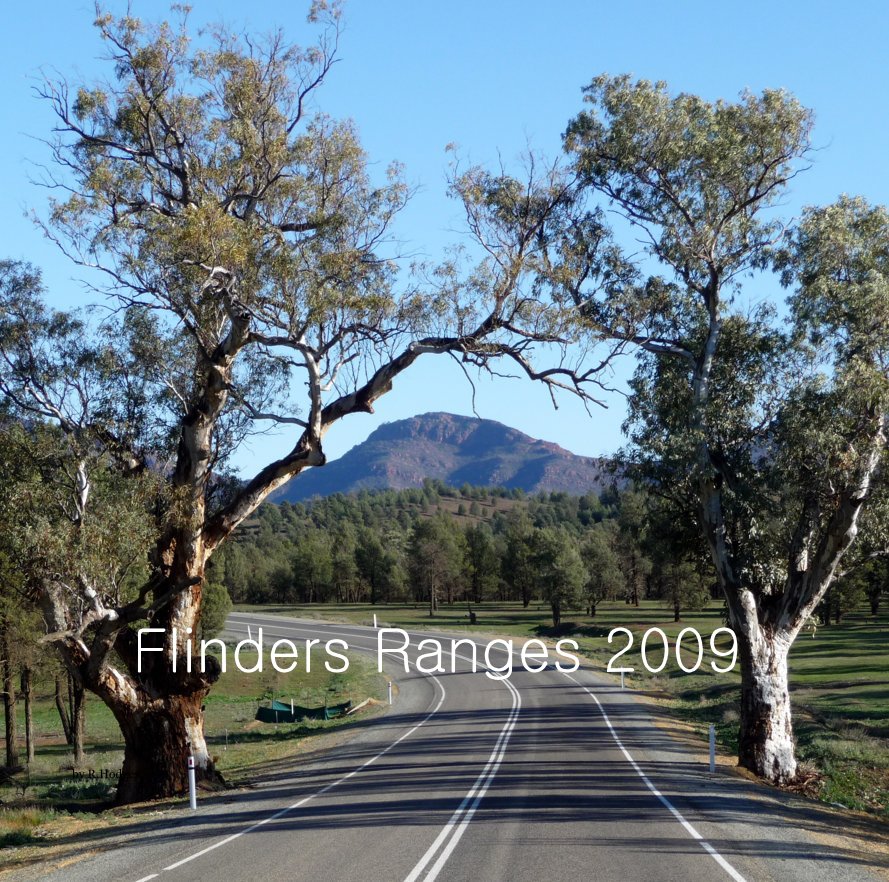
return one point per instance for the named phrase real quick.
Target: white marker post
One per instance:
(712, 747)
(192, 787)
(375, 621)
(249, 633)
(390, 692)
(291, 706)
(621, 679)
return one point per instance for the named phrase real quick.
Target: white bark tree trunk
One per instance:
(766, 744)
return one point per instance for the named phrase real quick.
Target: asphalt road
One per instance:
(546, 776)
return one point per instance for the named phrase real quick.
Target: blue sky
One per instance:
(493, 77)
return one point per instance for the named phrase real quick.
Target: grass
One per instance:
(49, 796)
(23, 826)
(239, 744)
(839, 680)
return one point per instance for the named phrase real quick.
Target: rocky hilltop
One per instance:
(455, 449)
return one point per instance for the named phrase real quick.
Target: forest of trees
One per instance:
(440, 544)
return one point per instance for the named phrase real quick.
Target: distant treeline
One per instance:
(441, 544)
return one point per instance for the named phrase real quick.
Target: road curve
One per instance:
(544, 776)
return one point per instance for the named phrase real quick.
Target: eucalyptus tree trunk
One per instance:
(159, 736)
(160, 711)
(433, 600)
(159, 708)
(9, 701)
(29, 712)
(766, 742)
(78, 721)
(64, 715)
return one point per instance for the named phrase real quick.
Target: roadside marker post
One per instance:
(390, 692)
(249, 633)
(712, 748)
(192, 787)
(375, 620)
(621, 679)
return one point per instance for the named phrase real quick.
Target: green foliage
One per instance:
(482, 563)
(436, 556)
(605, 578)
(215, 607)
(71, 512)
(312, 565)
(632, 533)
(694, 175)
(281, 555)
(517, 567)
(558, 570)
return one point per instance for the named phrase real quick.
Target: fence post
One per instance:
(192, 787)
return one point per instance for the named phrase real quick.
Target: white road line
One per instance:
(306, 623)
(146, 878)
(453, 831)
(456, 827)
(305, 799)
(666, 802)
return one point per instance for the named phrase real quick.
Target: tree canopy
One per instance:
(243, 249)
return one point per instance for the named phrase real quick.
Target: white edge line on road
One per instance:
(146, 878)
(666, 802)
(305, 799)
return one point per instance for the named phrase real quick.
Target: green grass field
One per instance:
(839, 678)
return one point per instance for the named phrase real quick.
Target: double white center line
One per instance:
(453, 831)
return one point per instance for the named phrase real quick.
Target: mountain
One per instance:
(456, 449)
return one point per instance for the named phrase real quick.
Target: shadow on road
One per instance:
(562, 767)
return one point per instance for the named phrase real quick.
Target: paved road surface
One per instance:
(467, 779)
